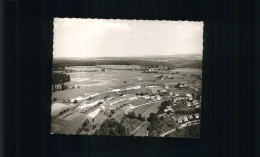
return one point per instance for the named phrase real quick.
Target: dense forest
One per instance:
(58, 78)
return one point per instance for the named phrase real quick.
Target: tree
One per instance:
(113, 111)
(85, 123)
(152, 118)
(111, 127)
(140, 117)
(131, 115)
(54, 99)
(164, 105)
(161, 118)
(63, 86)
(75, 101)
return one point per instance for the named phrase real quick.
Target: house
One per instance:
(146, 96)
(151, 86)
(168, 107)
(190, 117)
(158, 97)
(139, 79)
(185, 85)
(197, 115)
(83, 107)
(133, 87)
(170, 93)
(116, 90)
(188, 96)
(102, 108)
(189, 104)
(185, 119)
(179, 120)
(162, 90)
(195, 102)
(154, 91)
(104, 70)
(131, 97)
(198, 106)
(177, 94)
(81, 99)
(152, 97)
(57, 87)
(130, 107)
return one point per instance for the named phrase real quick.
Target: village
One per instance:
(141, 96)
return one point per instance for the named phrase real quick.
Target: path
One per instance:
(141, 125)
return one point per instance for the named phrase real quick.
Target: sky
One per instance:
(86, 38)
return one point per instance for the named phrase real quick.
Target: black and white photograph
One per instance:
(118, 77)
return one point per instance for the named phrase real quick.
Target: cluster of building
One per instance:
(127, 88)
(160, 67)
(186, 118)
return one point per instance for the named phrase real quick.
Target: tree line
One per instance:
(59, 78)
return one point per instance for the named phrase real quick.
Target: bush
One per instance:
(75, 101)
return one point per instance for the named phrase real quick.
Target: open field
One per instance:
(145, 110)
(73, 126)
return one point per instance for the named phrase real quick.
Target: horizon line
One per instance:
(130, 56)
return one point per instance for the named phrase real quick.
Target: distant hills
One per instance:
(174, 61)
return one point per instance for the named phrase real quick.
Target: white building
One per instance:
(188, 96)
(158, 97)
(132, 97)
(179, 120)
(185, 119)
(116, 90)
(195, 102)
(133, 87)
